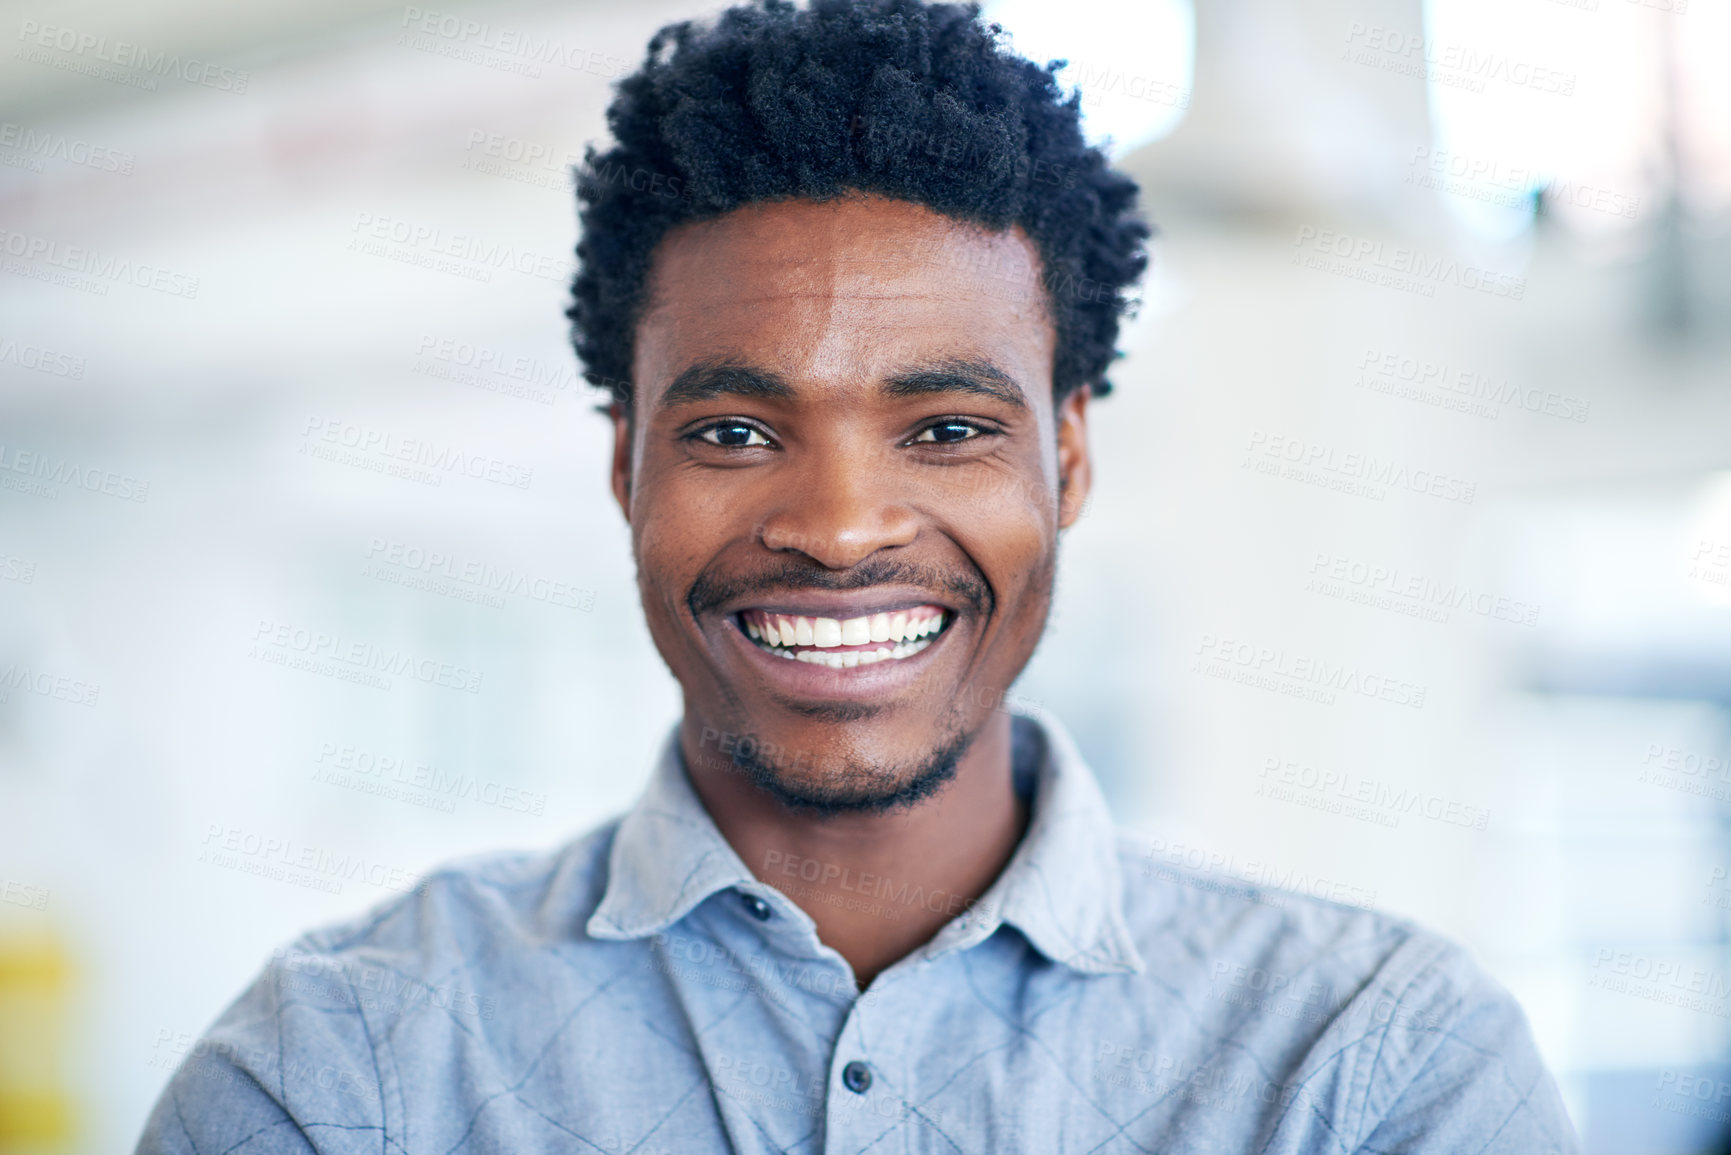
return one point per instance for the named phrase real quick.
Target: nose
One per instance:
(838, 511)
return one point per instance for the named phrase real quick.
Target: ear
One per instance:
(1075, 468)
(621, 477)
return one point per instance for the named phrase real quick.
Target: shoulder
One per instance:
(310, 1042)
(523, 895)
(447, 949)
(1313, 939)
(1375, 1021)
(1285, 924)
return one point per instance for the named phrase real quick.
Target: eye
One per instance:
(945, 432)
(732, 435)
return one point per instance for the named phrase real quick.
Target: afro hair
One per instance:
(909, 100)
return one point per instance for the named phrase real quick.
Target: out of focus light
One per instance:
(1707, 544)
(1582, 98)
(1133, 62)
(1521, 99)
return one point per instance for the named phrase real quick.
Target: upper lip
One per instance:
(842, 604)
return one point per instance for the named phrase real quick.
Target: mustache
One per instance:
(712, 589)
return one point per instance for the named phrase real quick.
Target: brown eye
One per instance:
(733, 435)
(945, 432)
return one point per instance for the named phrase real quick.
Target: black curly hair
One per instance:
(915, 101)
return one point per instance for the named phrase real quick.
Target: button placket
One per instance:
(868, 1095)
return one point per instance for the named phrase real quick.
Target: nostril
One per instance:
(835, 538)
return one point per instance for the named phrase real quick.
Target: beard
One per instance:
(855, 786)
(852, 787)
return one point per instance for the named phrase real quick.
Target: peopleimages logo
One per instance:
(1711, 562)
(1391, 588)
(1360, 474)
(376, 987)
(1463, 66)
(511, 49)
(79, 261)
(17, 569)
(482, 577)
(417, 459)
(481, 366)
(39, 474)
(1434, 381)
(23, 894)
(39, 145)
(352, 660)
(1200, 867)
(438, 249)
(516, 150)
(1661, 980)
(1301, 676)
(320, 867)
(41, 360)
(49, 685)
(418, 783)
(1688, 771)
(1395, 266)
(1489, 179)
(1288, 781)
(202, 1057)
(92, 51)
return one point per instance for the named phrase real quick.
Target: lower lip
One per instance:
(812, 681)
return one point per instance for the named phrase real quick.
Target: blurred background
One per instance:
(1407, 579)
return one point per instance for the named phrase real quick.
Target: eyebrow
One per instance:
(981, 378)
(709, 380)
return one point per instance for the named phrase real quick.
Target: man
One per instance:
(853, 276)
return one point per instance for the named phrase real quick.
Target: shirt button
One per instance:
(759, 909)
(857, 1077)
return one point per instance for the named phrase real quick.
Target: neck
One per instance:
(878, 885)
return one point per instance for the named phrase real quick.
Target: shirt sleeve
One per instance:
(1482, 1090)
(286, 1070)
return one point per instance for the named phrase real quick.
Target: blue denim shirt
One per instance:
(641, 991)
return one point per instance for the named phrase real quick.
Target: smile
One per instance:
(843, 643)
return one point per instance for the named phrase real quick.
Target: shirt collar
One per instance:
(667, 856)
(1062, 888)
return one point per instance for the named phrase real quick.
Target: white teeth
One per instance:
(880, 631)
(908, 632)
(859, 657)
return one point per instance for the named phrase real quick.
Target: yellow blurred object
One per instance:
(35, 1106)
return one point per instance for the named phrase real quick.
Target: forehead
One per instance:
(855, 287)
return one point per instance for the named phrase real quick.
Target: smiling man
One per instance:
(853, 277)
(845, 474)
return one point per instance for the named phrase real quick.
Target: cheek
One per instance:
(678, 527)
(666, 515)
(1012, 545)
(665, 549)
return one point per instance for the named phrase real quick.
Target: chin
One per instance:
(861, 780)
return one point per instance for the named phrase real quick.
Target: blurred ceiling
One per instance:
(248, 35)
